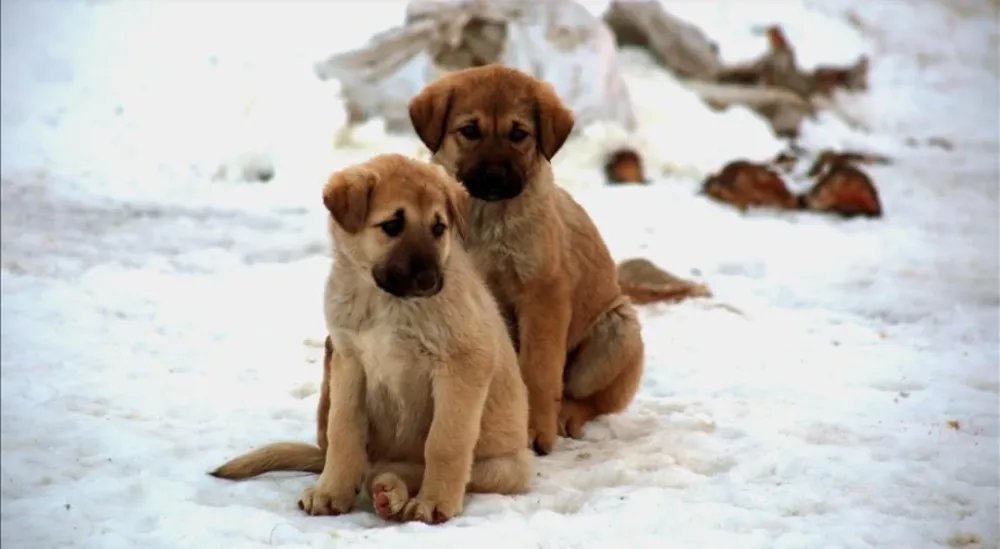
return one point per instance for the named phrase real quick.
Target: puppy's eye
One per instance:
(394, 227)
(438, 229)
(517, 135)
(470, 131)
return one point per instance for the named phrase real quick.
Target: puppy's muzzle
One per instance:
(493, 182)
(415, 276)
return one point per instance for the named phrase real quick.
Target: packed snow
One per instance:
(159, 315)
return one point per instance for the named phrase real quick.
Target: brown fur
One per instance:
(423, 404)
(578, 338)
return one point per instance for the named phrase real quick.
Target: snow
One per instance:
(840, 389)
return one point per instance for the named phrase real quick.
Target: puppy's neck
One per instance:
(493, 220)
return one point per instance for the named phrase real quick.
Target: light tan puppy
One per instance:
(425, 397)
(579, 342)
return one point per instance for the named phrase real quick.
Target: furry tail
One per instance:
(279, 456)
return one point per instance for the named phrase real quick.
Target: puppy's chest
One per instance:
(390, 361)
(395, 348)
(501, 253)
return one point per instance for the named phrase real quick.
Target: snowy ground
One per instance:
(156, 323)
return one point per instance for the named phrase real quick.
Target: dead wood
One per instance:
(677, 45)
(773, 85)
(825, 79)
(829, 158)
(786, 160)
(777, 68)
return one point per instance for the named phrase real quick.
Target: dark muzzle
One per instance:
(493, 182)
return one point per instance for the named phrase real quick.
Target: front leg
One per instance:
(323, 407)
(459, 390)
(544, 312)
(347, 435)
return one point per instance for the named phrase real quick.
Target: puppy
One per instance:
(579, 342)
(425, 396)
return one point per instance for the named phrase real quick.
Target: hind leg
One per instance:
(395, 486)
(506, 474)
(604, 372)
(391, 485)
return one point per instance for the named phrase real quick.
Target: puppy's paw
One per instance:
(389, 496)
(317, 501)
(428, 511)
(543, 440)
(572, 417)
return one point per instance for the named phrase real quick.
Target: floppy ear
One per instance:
(429, 111)
(553, 120)
(347, 194)
(457, 200)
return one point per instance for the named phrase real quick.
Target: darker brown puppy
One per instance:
(579, 342)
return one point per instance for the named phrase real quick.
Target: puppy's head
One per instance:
(396, 217)
(491, 127)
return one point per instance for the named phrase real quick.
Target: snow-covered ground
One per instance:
(156, 322)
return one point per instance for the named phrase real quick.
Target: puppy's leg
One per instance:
(459, 388)
(392, 484)
(323, 408)
(543, 316)
(604, 372)
(507, 474)
(347, 432)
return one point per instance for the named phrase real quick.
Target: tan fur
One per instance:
(541, 254)
(323, 409)
(424, 404)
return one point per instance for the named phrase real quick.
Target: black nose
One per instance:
(425, 280)
(424, 274)
(496, 173)
(492, 181)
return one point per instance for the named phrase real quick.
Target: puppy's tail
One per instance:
(279, 456)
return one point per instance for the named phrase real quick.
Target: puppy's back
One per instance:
(593, 269)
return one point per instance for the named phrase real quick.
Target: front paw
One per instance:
(428, 511)
(317, 501)
(542, 436)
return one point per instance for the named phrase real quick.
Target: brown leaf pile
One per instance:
(646, 283)
(840, 186)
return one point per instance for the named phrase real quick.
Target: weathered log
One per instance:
(678, 45)
(772, 85)
(782, 108)
(825, 78)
